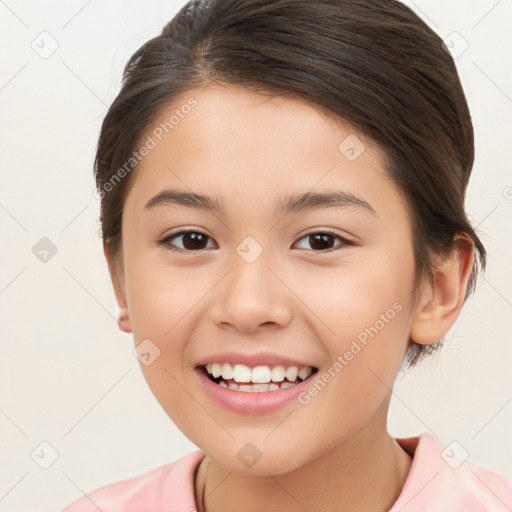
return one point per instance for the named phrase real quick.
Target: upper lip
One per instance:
(259, 359)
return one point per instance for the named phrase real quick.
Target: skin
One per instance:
(250, 150)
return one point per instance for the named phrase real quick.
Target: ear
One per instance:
(441, 303)
(116, 271)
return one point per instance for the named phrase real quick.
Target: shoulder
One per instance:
(443, 478)
(170, 485)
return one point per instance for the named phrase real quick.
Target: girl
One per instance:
(282, 193)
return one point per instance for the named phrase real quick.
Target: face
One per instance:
(322, 285)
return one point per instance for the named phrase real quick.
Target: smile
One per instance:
(257, 379)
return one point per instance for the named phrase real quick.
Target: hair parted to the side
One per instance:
(375, 64)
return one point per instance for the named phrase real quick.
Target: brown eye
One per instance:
(190, 241)
(322, 241)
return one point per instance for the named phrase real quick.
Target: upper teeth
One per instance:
(258, 374)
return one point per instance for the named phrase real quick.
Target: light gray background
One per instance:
(68, 375)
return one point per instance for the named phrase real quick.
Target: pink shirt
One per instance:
(435, 484)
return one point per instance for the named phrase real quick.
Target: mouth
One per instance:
(257, 379)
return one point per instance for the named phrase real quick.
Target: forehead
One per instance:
(241, 146)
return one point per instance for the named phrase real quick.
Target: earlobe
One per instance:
(117, 278)
(124, 321)
(441, 302)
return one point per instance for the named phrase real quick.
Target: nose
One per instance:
(252, 296)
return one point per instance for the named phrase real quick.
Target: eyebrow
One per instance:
(288, 204)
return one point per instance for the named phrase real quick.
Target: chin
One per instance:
(257, 459)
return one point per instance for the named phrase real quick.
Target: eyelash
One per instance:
(166, 240)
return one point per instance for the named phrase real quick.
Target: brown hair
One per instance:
(375, 64)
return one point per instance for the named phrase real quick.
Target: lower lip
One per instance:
(251, 403)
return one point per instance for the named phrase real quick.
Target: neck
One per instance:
(367, 472)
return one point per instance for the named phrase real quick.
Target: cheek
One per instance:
(365, 357)
(376, 340)
(161, 296)
(366, 285)
(161, 303)
(160, 300)
(165, 304)
(364, 307)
